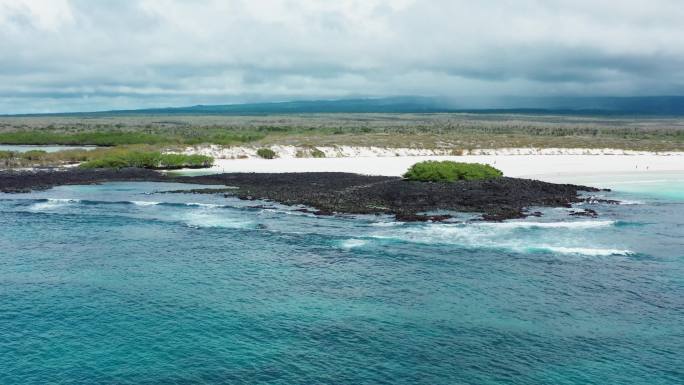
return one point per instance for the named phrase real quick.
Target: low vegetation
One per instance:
(266, 153)
(448, 171)
(118, 138)
(316, 153)
(152, 160)
(118, 157)
(310, 152)
(457, 132)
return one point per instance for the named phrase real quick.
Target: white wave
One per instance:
(630, 202)
(352, 243)
(61, 200)
(145, 203)
(550, 225)
(205, 205)
(585, 251)
(491, 236)
(286, 212)
(469, 232)
(52, 203)
(386, 224)
(209, 219)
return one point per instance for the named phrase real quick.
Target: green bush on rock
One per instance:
(448, 171)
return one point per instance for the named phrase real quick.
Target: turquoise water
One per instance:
(655, 188)
(24, 148)
(664, 185)
(118, 284)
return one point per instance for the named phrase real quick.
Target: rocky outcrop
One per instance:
(26, 181)
(497, 199)
(329, 193)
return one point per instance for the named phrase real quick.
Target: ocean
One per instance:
(118, 283)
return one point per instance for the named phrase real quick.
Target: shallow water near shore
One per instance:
(116, 283)
(25, 148)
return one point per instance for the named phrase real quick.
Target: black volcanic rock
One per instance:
(498, 199)
(329, 192)
(26, 181)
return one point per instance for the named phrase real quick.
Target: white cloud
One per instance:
(42, 14)
(53, 53)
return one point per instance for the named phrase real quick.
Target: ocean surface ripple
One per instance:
(118, 284)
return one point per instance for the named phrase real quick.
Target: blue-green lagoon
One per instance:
(46, 148)
(118, 284)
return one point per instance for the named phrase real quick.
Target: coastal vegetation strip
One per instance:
(115, 157)
(117, 138)
(151, 159)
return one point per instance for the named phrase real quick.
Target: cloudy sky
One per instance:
(84, 55)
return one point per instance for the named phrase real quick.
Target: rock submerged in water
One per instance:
(410, 217)
(330, 192)
(585, 213)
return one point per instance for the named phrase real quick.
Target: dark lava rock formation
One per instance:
(329, 193)
(497, 199)
(26, 181)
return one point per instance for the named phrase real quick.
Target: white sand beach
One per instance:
(553, 165)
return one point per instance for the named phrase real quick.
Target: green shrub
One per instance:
(266, 153)
(150, 159)
(448, 171)
(111, 162)
(316, 153)
(33, 154)
(174, 161)
(6, 155)
(310, 152)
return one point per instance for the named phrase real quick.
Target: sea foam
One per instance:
(52, 203)
(353, 243)
(583, 251)
(502, 236)
(208, 219)
(145, 203)
(550, 225)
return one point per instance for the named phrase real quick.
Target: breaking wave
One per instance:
(549, 225)
(203, 219)
(144, 203)
(501, 236)
(52, 203)
(353, 243)
(598, 252)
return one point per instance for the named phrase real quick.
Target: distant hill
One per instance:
(388, 105)
(629, 106)
(641, 105)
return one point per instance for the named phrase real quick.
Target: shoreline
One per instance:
(345, 151)
(327, 193)
(550, 165)
(557, 165)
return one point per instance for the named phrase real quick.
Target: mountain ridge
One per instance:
(639, 105)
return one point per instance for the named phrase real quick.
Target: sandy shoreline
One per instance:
(553, 165)
(286, 151)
